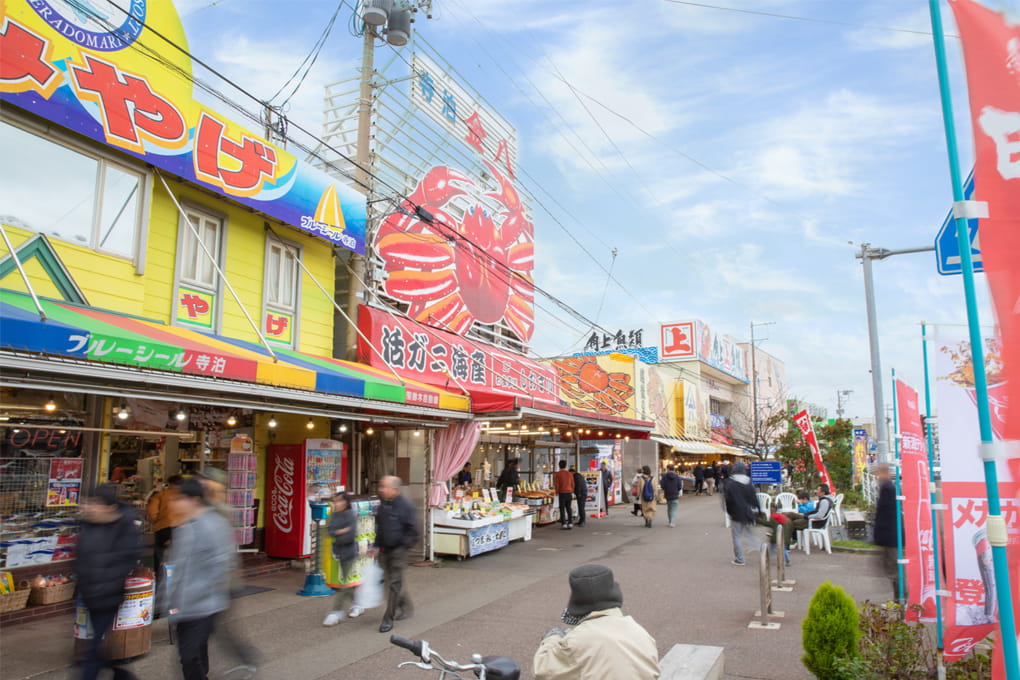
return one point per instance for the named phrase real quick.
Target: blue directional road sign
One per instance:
(766, 472)
(947, 251)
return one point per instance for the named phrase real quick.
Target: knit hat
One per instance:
(592, 589)
(215, 475)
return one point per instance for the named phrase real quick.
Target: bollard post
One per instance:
(761, 620)
(781, 584)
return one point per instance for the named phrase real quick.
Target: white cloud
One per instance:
(824, 148)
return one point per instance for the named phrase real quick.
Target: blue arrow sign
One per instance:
(947, 251)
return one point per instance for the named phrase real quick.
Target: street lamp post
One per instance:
(866, 255)
(754, 387)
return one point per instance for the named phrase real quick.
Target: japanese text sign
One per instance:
(444, 359)
(917, 528)
(108, 76)
(489, 537)
(803, 422)
(64, 485)
(449, 105)
(694, 339)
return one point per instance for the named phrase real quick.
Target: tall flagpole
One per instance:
(931, 489)
(900, 560)
(994, 523)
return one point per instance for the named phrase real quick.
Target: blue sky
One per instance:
(816, 137)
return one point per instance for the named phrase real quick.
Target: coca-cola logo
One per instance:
(281, 499)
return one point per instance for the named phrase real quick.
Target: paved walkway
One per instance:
(678, 583)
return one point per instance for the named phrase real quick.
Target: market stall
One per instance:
(474, 526)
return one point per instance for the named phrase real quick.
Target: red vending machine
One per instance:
(296, 471)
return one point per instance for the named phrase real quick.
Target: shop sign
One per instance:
(621, 339)
(766, 472)
(64, 486)
(64, 62)
(136, 609)
(604, 384)
(696, 340)
(440, 358)
(44, 440)
(196, 308)
(489, 537)
(278, 327)
(449, 105)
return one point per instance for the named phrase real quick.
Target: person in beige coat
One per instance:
(604, 643)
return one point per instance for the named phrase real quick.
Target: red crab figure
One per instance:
(453, 273)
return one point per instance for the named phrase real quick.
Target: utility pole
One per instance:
(866, 255)
(363, 179)
(842, 397)
(754, 387)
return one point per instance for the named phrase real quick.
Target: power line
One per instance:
(309, 59)
(806, 19)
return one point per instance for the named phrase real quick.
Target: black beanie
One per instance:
(592, 589)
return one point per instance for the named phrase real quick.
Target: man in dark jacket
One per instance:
(396, 531)
(742, 507)
(580, 493)
(699, 479)
(508, 479)
(109, 547)
(670, 485)
(885, 527)
(607, 484)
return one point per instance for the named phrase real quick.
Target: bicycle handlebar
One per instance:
(413, 646)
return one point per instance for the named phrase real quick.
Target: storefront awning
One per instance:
(697, 447)
(106, 338)
(555, 412)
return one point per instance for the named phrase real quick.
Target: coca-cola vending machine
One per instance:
(295, 471)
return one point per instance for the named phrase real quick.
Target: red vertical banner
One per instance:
(803, 422)
(991, 50)
(917, 530)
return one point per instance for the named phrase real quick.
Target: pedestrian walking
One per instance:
(671, 487)
(581, 494)
(396, 532)
(742, 508)
(710, 474)
(607, 484)
(647, 496)
(109, 547)
(604, 643)
(635, 492)
(699, 479)
(228, 629)
(201, 559)
(343, 529)
(885, 528)
(163, 518)
(563, 485)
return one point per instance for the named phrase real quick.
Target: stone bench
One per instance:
(692, 662)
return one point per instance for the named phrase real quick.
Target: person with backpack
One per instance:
(580, 493)
(647, 496)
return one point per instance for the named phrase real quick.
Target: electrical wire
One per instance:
(806, 19)
(309, 59)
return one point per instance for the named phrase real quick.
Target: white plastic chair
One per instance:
(764, 503)
(821, 534)
(837, 511)
(786, 502)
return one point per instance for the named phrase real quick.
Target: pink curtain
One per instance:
(451, 449)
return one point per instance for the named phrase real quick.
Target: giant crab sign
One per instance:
(454, 272)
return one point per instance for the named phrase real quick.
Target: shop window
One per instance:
(199, 252)
(282, 291)
(69, 193)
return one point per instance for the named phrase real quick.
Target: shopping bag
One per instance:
(370, 593)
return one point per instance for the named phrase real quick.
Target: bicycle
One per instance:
(483, 668)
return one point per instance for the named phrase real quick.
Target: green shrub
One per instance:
(830, 632)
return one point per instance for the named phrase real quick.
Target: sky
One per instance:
(734, 161)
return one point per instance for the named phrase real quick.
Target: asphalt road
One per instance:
(678, 583)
